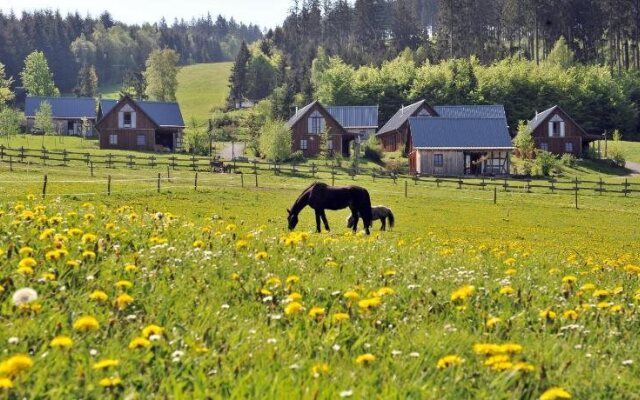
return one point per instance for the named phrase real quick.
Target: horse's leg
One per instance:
(324, 219)
(355, 216)
(318, 213)
(384, 224)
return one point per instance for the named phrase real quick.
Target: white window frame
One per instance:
(315, 123)
(438, 160)
(143, 137)
(544, 146)
(556, 127)
(124, 119)
(113, 139)
(304, 144)
(568, 147)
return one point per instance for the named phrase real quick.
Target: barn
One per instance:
(140, 125)
(459, 146)
(67, 113)
(394, 135)
(553, 130)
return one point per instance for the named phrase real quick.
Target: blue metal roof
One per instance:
(352, 117)
(299, 114)
(471, 111)
(162, 113)
(459, 133)
(62, 107)
(400, 117)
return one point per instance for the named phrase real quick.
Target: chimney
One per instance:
(296, 110)
(402, 110)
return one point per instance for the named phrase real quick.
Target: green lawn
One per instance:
(201, 87)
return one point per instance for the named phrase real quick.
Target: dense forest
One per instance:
(116, 50)
(525, 54)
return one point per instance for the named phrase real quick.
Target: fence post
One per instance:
(10, 163)
(158, 182)
(438, 182)
(576, 191)
(495, 195)
(109, 160)
(255, 170)
(600, 183)
(506, 185)
(44, 187)
(22, 154)
(44, 156)
(459, 183)
(415, 178)
(130, 161)
(406, 184)
(1, 152)
(482, 184)
(626, 186)
(333, 175)
(256, 175)
(91, 167)
(65, 158)
(168, 174)
(241, 179)
(528, 185)
(109, 185)
(195, 183)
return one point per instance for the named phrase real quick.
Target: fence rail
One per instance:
(17, 158)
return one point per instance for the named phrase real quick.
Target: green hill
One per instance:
(200, 88)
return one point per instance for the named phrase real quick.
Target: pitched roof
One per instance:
(162, 113)
(352, 117)
(299, 114)
(471, 111)
(62, 107)
(541, 117)
(460, 133)
(400, 117)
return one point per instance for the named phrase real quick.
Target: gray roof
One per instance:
(400, 117)
(352, 117)
(471, 111)
(162, 113)
(299, 114)
(460, 133)
(539, 118)
(63, 107)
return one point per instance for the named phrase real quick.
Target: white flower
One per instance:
(627, 362)
(24, 296)
(414, 354)
(154, 338)
(396, 353)
(224, 306)
(13, 340)
(336, 347)
(131, 317)
(271, 340)
(93, 352)
(346, 393)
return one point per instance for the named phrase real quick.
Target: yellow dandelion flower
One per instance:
(25, 251)
(86, 323)
(351, 295)
(295, 296)
(47, 234)
(27, 262)
(152, 330)
(603, 304)
(500, 358)
(316, 312)
(569, 279)
(73, 263)
(88, 254)
(523, 366)
(61, 341)
(124, 284)
(261, 255)
(110, 382)
(463, 293)
(198, 244)
(389, 273)
(339, 317)
(492, 322)
(370, 303)
(293, 308)
(510, 348)
(130, 268)
(320, 369)
(139, 342)
(123, 301)
(632, 269)
(548, 314)
(25, 271)
(98, 295)
(265, 292)
(6, 383)
(273, 281)
(105, 363)
(510, 271)
(89, 238)
(485, 349)
(614, 309)
(510, 262)
(235, 276)
(48, 276)
(507, 290)
(74, 232)
(570, 314)
(555, 393)
(383, 292)
(600, 293)
(365, 359)
(588, 286)
(291, 279)
(15, 365)
(449, 361)
(331, 264)
(231, 227)
(241, 244)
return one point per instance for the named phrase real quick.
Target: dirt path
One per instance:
(229, 151)
(633, 167)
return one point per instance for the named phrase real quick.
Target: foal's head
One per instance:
(292, 219)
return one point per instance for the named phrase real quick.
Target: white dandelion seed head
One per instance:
(177, 354)
(24, 296)
(93, 352)
(336, 347)
(13, 340)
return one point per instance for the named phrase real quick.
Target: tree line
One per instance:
(113, 52)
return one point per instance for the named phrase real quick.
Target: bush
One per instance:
(297, 157)
(568, 160)
(372, 150)
(275, 141)
(527, 167)
(545, 162)
(617, 157)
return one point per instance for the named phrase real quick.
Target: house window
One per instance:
(126, 118)
(568, 147)
(140, 140)
(303, 144)
(329, 144)
(113, 139)
(316, 123)
(438, 160)
(544, 146)
(556, 127)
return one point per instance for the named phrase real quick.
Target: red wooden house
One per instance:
(140, 125)
(394, 135)
(555, 131)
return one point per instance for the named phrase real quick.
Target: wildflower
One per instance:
(88, 254)
(510, 271)
(548, 314)
(384, 291)
(339, 317)
(273, 281)
(449, 361)
(293, 308)
(152, 330)
(110, 382)
(617, 308)
(523, 367)
(86, 323)
(25, 271)
(73, 232)
(24, 296)
(231, 227)
(26, 252)
(122, 301)
(463, 293)
(27, 262)
(5, 383)
(53, 255)
(370, 303)
(48, 276)
(570, 314)
(507, 290)
(497, 359)
(98, 295)
(291, 279)
(139, 342)
(61, 341)
(320, 369)
(491, 322)
(365, 359)
(265, 292)
(73, 263)
(600, 293)
(588, 286)
(316, 312)
(198, 244)
(15, 365)
(569, 279)
(331, 264)
(632, 269)
(235, 276)
(351, 295)
(555, 393)
(124, 284)
(261, 255)
(510, 261)
(241, 244)
(47, 233)
(89, 238)
(485, 349)
(106, 363)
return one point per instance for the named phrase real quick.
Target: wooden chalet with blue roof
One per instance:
(344, 125)
(140, 125)
(67, 113)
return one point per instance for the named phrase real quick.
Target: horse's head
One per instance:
(292, 219)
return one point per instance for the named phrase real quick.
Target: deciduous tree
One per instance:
(36, 76)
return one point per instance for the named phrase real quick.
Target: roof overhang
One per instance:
(464, 148)
(360, 127)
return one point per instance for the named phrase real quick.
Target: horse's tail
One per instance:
(392, 220)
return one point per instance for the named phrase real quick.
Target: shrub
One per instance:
(545, 162)
(568, 160)
(297, 156)
(617, 157)
(372, 150)
(275, 141)
(523, 142)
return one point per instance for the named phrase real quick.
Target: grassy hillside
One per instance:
(200, 88)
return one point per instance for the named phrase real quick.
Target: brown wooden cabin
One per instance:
(395, 135)
(140, 125)
(309, 123)
(553, 130)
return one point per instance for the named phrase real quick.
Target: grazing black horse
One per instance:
(321, 197)
(378, 212)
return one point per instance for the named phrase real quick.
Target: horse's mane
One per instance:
(305, 192)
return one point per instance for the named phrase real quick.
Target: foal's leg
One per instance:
(384, 224)
(324, 219)
(318, 213)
